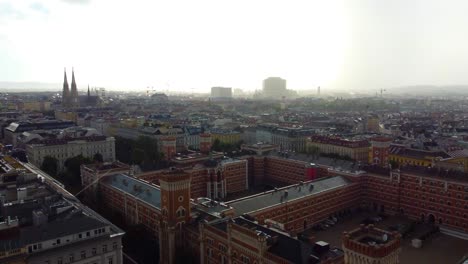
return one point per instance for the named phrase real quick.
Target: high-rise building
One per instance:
(221, 93)
(274, 87)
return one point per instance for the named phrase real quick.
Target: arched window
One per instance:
(180, 212)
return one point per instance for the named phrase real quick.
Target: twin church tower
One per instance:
(70, 97)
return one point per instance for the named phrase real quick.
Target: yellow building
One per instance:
(129, 123)
(355, 149)
(226, 137)
(13, 256)
(34, 106)
(403, 155)
(458, 163)
(65, 115)
(373, 124)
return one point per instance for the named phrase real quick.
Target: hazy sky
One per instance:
(198, 44)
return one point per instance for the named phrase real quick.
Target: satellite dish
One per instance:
(385, 237)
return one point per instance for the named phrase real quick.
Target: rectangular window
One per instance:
(59, 261)
(71, 258)
(114, 245)
(93, 251)
(104, 248)
(83, 254)
(88, 234)
(110, 260)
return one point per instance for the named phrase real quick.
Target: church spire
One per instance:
(74, 91)
(66, 90)
(89, 94)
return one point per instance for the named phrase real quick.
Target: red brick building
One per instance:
(379, 151)
(169, 147)
(203, 228)
(205, 143)
(368, 244)
(421, 194)
(216, 232)
(297, 207)
(213, 179)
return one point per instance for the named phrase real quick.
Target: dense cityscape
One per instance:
(233, 132)
(91, 176)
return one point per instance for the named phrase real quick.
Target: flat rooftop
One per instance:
(281, 245)
(211, 207)
(439, 248)
(146, 192)
(278, 196)
(322, 161)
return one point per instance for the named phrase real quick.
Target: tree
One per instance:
(123, 149)
(216, 145)
(143, 151)
(50, 165)
(72, 175)
(98, 157)
(314, 151)
(394, 164)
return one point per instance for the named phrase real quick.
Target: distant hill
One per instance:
(445, 90)
(29, 86)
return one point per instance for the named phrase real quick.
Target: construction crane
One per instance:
(381, 92)
(149, 89)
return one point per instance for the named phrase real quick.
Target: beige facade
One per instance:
(357, 150)
(88, 148)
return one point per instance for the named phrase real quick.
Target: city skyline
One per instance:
(336, 45)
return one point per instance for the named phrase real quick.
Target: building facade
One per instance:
(43, 223)
(63, 149)
(368, 244)
(357, 150)
(217, 231)
(221, 93)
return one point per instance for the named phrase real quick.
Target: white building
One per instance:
(219, 93)
(69, 147)
(43, 223)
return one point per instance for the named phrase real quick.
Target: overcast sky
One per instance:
(198, 44)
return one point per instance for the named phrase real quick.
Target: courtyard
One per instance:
(437, 248)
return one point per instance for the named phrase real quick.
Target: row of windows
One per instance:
(435, 183)
(83, 255)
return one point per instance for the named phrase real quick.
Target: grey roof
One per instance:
(137, 188)
(275, 197)
(281, 245)
(324, 161)
(59, 228)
